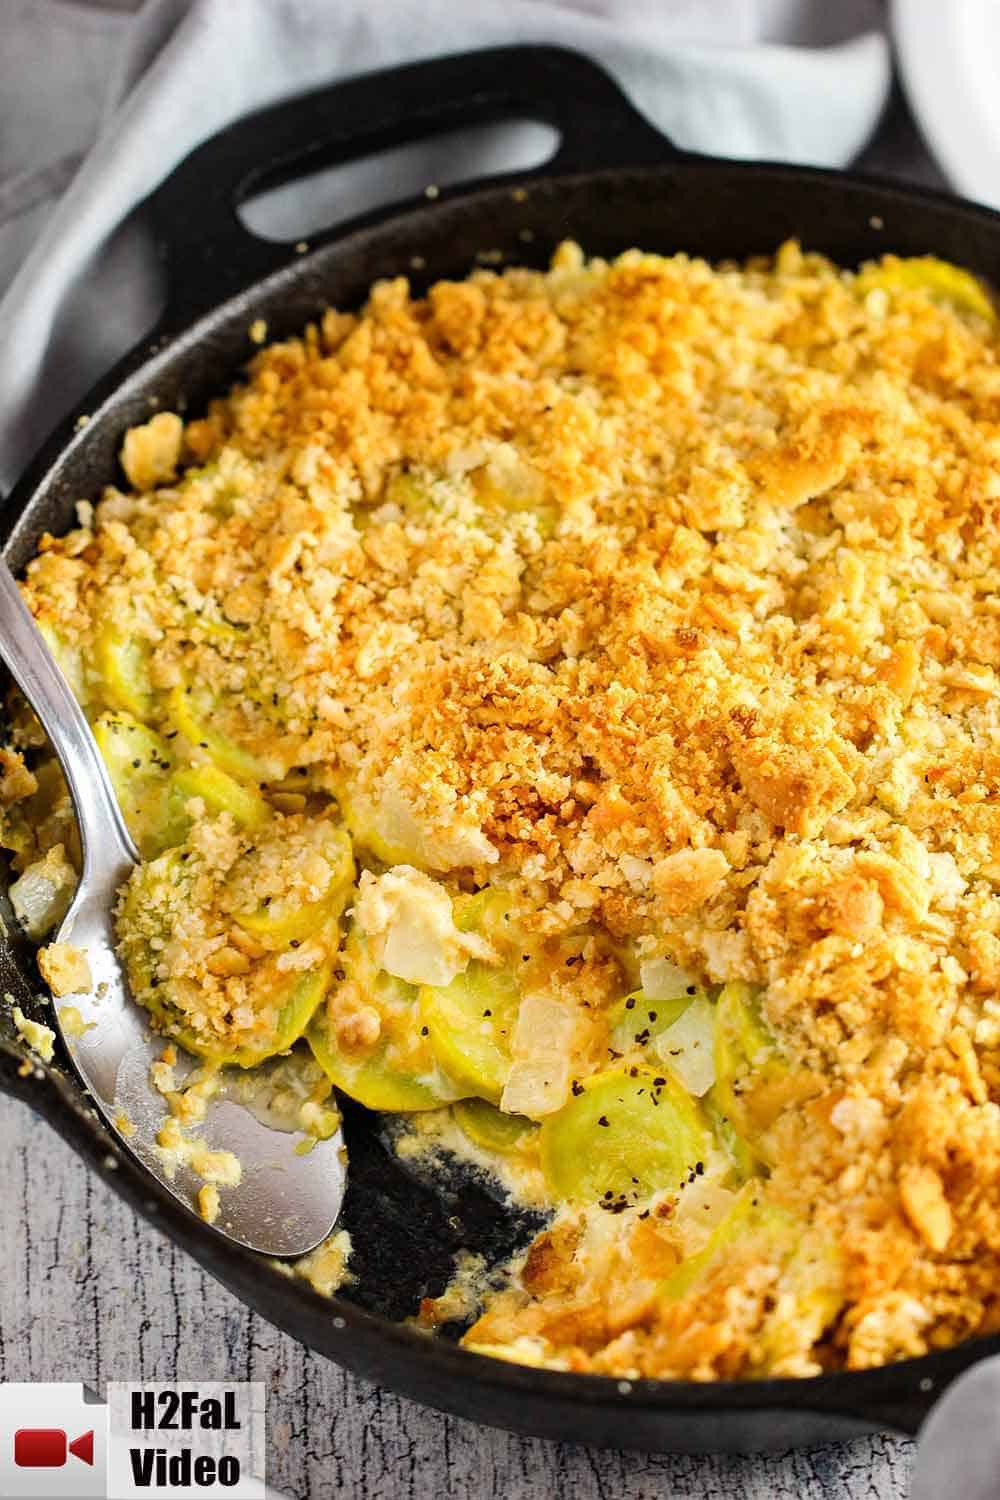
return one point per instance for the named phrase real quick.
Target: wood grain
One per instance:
(89, 1292)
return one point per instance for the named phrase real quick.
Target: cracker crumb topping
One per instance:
(666, 597)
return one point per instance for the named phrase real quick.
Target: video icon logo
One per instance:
(59, 1442)
(53, 1442)
(48, 1447)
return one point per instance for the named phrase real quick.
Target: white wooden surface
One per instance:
(89, 1292)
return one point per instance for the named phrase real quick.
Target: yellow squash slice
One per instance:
(370, 1079)
(635, 1022)
(810, 1291)
(938, 278)
(746, 1212)
(194, 714)
(123, 665)
(259, 1005)
(470, 1023)
(281, 925)
(490, 1128)
(221, 793)
(397, 1072)
(625, 1134)
(754, 1081)
(139, 764)
(303, 995)
(304, 998)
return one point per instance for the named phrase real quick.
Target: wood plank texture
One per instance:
(89, 1292)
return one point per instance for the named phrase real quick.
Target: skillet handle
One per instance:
(210, 255)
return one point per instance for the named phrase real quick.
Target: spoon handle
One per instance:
(107, 845)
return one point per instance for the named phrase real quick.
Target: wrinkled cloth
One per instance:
(798, 80)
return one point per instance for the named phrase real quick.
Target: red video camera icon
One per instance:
(47, 1447)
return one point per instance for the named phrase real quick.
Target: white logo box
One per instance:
(151, 1441)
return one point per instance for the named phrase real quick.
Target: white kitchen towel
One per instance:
(800, 80)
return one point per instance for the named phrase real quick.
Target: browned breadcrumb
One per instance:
(189, 959)
(65, 969)
(151, 453)
(175, 1148)
(39, 1037)
(208, 1202)
(16, 781)
(326, 1267)
(72, 1023)
(668, 595)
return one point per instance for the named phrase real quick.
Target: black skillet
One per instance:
(614, 182)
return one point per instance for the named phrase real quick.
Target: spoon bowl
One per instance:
(287, 1199)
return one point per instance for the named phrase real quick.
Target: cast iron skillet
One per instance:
(613, 183)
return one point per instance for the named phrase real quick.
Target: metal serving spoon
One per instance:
(286, 1203)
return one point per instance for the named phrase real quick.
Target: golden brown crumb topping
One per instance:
(666, 596)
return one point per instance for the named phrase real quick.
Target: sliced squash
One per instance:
(470, 1023)
(745, 1161)
(486, 912)
(490, 1128)
(370, 1078)
(809, 1292)
(636, 1022)
(221, 793)
(938, 278)
(254, 1004)
(412, 495)
(139, 764)
(737, 1222)
(283, 925)
(742, 1046)
(123, 664)
(625, 1134)
(754, 1081)
(305, 996)
(383, 831)
(399, 1071)
(296, 995)
(69, 660)
(809, 1297)
(194, 714)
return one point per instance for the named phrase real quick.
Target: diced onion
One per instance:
(409, 918)
(687, 1047)
(403, 835)
(543, 1025)
(538, 1082)
(662, 980)
(702, 1205)
(536, 1087)
(41, 896)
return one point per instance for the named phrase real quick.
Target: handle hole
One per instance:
(333, 194)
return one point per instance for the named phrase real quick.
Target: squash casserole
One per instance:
(567, 704)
